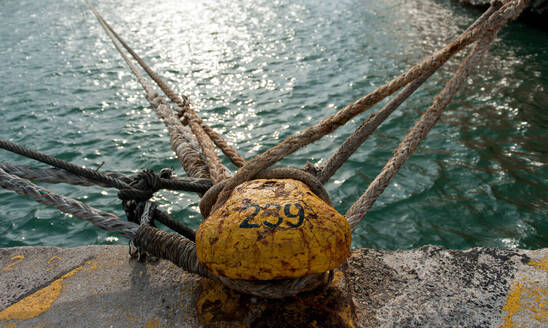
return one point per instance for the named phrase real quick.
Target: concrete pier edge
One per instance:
(100, 286)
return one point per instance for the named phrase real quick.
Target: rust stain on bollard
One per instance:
(273, 229)
(219, 306)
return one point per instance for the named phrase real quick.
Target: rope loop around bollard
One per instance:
(211, 201)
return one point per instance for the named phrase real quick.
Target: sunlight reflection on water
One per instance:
(259, 72)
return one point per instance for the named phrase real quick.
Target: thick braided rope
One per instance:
(356, 212)
(55, 175)
(329, 124)
(368, 126)
(184, 106)
(182, 252)
(211, 159)
(181, 140)
(216, 169)
(80, 210)
(228, 150)
(61, 175)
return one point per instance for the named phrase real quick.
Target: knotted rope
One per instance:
(183, 143)
(181, 250)
(483, 29)
(138, 188)
(111, 180)
(80, 210)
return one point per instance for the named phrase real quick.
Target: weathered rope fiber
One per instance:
(509, 10)
(172, 247)
(357, 211)
(87, 173)
(183, 143)
(368, 126)
(230, 152)
(182, 252)
(174, 225)
(80, 210)
(110, 180)
(55, 175)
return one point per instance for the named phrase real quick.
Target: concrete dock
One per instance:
(100, 286)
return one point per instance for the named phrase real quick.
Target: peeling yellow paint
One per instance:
(55, 260)
(152, 323)
(10, 325)
(17, 259)
(55, 257)
(38, 302)
(513, 305)
(273, 229)
(528, 296)
(91, 266)
(541, 264)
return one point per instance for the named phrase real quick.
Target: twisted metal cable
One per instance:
(80, 210)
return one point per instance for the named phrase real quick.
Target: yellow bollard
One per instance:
(273, 229)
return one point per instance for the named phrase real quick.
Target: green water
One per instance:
(258, 72)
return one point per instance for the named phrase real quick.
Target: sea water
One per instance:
(259, 71)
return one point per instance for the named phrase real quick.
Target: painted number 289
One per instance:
(287, 213)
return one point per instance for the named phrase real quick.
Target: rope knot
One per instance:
(143, 187)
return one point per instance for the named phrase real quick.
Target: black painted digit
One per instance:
(245, 223)
(280, 219)
(300, 214)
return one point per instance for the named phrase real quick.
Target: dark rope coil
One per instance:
(182, 252)
(175, 248)
(210, 201)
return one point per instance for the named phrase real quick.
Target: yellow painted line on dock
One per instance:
(40, 301)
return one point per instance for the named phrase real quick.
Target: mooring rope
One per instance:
(366, 128)
(80, 210)
(181, 250)
(138, 186)
(508, 11)
(357, 211)
(183, 143)
(369, 125)
(183, 184)
(213, 136)
(55, 175)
